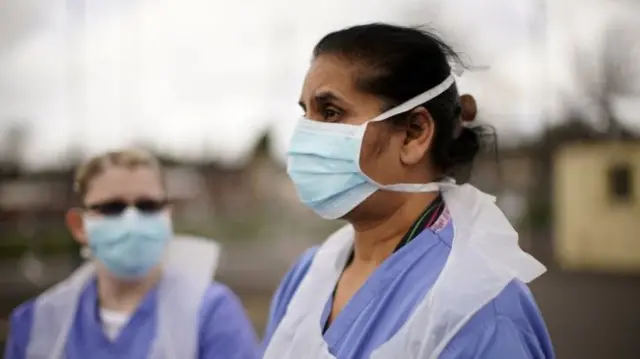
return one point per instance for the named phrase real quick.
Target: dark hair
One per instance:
(399, 63)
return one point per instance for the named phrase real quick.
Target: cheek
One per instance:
(373, 145)
(379, 157)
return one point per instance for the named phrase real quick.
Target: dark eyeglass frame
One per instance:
(115, 207)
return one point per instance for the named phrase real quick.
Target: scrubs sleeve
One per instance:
(225, 329)
(285, 292)
(20, 324)
(499, 338)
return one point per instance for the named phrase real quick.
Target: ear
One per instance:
(76, 226)
(419, 135)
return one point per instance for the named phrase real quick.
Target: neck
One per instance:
(376, 238)
(124, 295)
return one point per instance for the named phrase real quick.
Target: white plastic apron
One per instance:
(189, 268)
(484, 258)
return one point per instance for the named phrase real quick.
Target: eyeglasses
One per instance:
(117, 206)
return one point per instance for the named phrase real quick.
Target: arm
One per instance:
(225, 330)
(19, 331)
(500, 339)
(511, 326)
(285, 292)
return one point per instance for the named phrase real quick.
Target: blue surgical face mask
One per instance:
(131, 244)
(324, 161)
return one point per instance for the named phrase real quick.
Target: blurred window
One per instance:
(620, 183)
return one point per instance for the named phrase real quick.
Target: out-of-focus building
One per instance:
(510, 176)
(38, 199)
(199, 191)
(512, 169)
(597, 206)
(269, 180)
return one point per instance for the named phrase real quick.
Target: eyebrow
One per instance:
(322, 98)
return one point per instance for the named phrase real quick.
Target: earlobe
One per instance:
(76, 226)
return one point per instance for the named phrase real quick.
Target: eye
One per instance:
(109, 208)
(330, 114)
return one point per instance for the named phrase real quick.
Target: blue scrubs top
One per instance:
(510, 326)
(224, 329)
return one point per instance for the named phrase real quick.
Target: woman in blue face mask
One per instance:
(426, 267)
(144, 294)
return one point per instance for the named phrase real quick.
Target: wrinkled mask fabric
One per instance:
(323, 161)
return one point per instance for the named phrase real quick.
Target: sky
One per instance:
(204, 78)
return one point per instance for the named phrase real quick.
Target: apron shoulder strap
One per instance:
(189, 271)
(198, 256)
(326, 267)
(294, 337)
(54, 311)
(335, 249)
(484, 259)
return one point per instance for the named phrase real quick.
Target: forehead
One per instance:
(125, 183)
(330, 74)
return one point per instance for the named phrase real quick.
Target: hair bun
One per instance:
(469, 108)
(462, 153)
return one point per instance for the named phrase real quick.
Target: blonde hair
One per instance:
(127, 158)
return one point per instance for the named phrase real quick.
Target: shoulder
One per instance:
(20, 323)
(217, 293)
(22, 317)
(23, 313)
(225, 329)
(291, 281)
(287, 288)
(220, 301)
(297, 272)
(511, 325)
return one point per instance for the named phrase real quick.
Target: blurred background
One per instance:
(211, 88)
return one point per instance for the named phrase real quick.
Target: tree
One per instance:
(616, 71)
(13, 144)
(262, 147)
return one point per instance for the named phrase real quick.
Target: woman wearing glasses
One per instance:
(145, 294)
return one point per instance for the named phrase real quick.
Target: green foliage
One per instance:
(50, 242)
